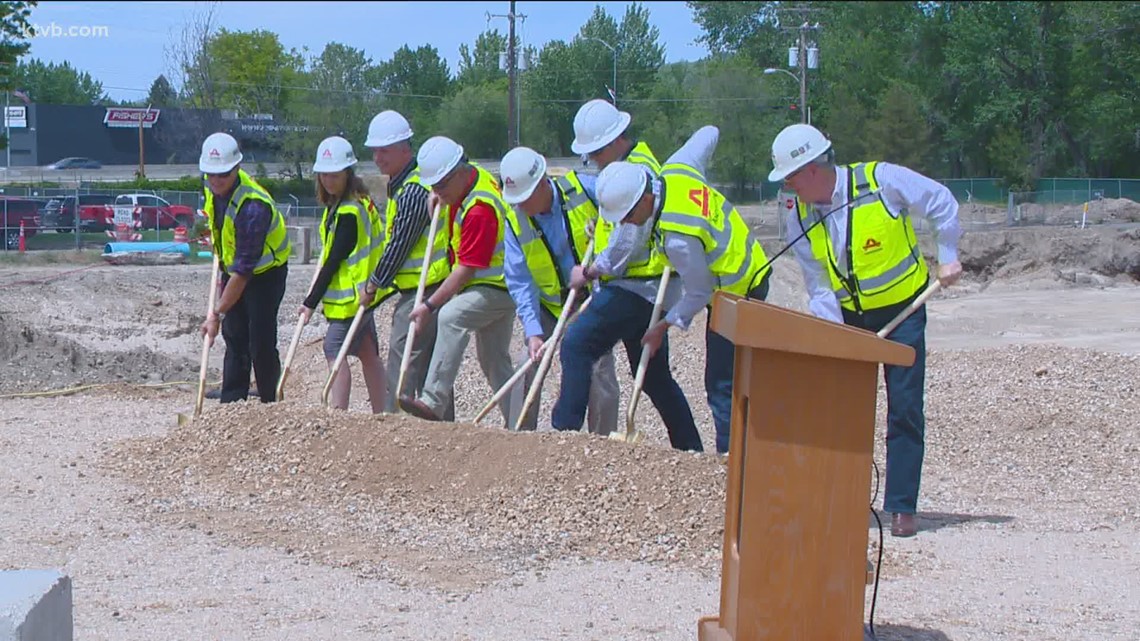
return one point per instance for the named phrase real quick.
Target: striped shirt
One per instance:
(412, 218)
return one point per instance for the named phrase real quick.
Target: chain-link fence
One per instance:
(82, 216)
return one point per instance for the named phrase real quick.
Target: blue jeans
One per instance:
(619, 315)
(906, 424)
(720, 357)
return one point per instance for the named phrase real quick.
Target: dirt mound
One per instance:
(444, 499)
(1099, 211)
(31, 359)
(1008, 253)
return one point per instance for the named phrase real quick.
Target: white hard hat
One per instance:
(522, 169)
(597, 124)
(220, 154)
(794, 147)
(387, 128)
(437, 157)
(619, 187)
(333, 154)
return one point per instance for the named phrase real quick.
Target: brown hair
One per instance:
(354, 189)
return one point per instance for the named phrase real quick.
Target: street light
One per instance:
(611, 48)
(803, 90)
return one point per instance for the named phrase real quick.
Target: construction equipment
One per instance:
(555, 336)
(343, 353)
(296, 339)
(407, 356)
(912, 308)
(212, 298)
(631, 433)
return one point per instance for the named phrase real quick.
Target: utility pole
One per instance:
(513, 115)
(142, 117)
(806, 54)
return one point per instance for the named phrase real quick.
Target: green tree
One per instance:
(476, 117)
(481, 64)
(58, 84)
(413, 82)
(161, 93)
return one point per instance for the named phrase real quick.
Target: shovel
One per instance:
(407, 356)
(342, 354)
(206, 341)
(910, 309)
(293, 344)
(631, 433)
(555, 336)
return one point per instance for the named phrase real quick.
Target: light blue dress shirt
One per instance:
(520, 283)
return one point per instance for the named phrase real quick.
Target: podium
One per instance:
(799, 474)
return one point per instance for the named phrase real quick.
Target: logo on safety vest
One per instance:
(872, 245)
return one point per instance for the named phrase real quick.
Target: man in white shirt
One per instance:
(862, 266)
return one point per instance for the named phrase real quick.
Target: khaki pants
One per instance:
(602, 410)
(422, 349)
(489, 313)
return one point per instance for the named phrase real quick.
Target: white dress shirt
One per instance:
(904, 192)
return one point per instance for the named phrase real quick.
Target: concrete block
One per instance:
(35, 605)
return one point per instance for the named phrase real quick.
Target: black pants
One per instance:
(250, 331)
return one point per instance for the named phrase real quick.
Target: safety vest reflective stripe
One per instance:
(684, 171)
(417, 264)
(574, 197)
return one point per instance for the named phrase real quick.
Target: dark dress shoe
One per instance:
(418, 409)
(903, 525)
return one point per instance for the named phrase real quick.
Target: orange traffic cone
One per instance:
(23, 243)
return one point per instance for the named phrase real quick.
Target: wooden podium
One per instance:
(799, 474)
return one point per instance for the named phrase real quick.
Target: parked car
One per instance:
(154, 212)
(95, 213)
(75, 163)
(13, 210)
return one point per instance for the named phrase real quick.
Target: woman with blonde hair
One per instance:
(351, 233)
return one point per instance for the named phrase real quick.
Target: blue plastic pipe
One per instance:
(167, 248)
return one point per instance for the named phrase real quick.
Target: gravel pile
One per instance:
(1018, 421)
(368, 491)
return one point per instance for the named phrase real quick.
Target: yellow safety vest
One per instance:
(485, 190)
(882, 249)
(646, 262)
(577, 211)
(690, 206)
(277, 247)
(342, 299)
(408, 275)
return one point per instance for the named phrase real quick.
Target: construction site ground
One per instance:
(291, 521)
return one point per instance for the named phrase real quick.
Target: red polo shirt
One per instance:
(479, 232)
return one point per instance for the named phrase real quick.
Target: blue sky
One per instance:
(123, 44)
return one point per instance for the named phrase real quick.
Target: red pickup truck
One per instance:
(154, 212)
(13, 211)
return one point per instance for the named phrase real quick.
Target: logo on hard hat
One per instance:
(327, 154)
(214, 153)
(534, 168)
(801, 151)
(508, 181)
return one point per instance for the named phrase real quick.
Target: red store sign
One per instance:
(129, 117)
